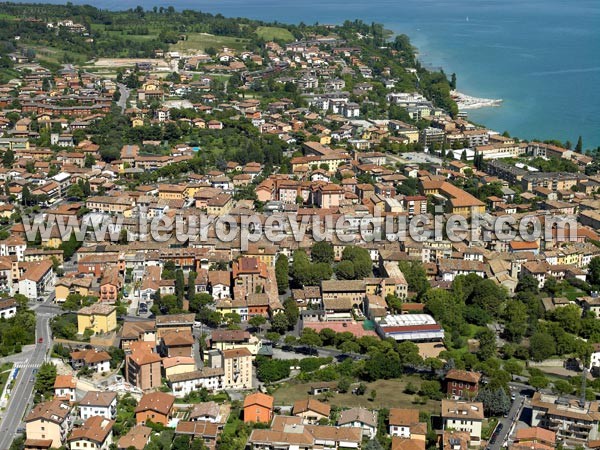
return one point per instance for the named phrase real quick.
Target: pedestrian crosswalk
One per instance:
(27, 365)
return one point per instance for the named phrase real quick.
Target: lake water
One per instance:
(541, 56)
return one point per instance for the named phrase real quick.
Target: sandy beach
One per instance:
(465, 101)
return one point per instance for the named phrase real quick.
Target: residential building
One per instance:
(455, 440)
(65, 387)
(156, 407)
(98, 362)
(143, 367)
(138, 437)
(311, 410)
(99, 318)
(208, 432)
(8, 308)
(177, 344)
(258, 408)
(535, 437)
(404, 423)
(50, 422)
(399, 443)
(207, 412)
(95, 403)
(288, 433)
(237, 364)
(37, 279)
(463, 416)
(462, 384)
(230, 339)
(360, 418)
(208, 378)
(571, 421)
(95, 433)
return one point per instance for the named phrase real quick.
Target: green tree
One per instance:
(282, 273)
(431, 389)
(415, 276)
(291, 311)
(516, 320)
(345, 271)
(191, 285)
(322, 252)
(495, 401)
(579, 146)
(538, 381)
(279, 323)
(179, 287)
(71, 246)
(8, 159)
(593, 276)
(488, 295)
(344, 385)
(562, 387)
(487, 344)
(541, 346)
(257, 322)
(44, 382)
(310, 338)
(361, 260)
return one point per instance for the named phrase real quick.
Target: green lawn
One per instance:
(123, 33)
(488, 428)
(571, 292)
(8, 74)
(56, 56)
(272, 33)
(196, 42)
(390, 394)
(4, 373)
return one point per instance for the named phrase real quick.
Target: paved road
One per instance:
(508, 422)
(122, 103)
(21, 394)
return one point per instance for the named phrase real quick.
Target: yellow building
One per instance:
(171, 191)
(99, 317)
(66, 286)
(264, 253)
(325, 140)
(178, 365)
(49, 421)
(220, 205)
(137, 122)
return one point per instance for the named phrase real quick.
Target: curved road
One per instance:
(23, 388)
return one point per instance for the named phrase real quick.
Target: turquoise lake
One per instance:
(541, 57)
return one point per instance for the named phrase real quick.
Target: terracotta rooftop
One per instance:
(137, 437)
(95, 429)
(65, 382)
(310, 404)
(156, 401)
(260, 399)
(96, 398)
(403, 417)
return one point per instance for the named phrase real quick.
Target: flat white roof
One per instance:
(407, 320)
(61, 176)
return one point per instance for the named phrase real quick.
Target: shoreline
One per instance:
(467, 102)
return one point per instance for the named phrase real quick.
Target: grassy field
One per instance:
(8, 74)
(390, 394)
(4, 373)
(56, 56)
(196, 42)
(134, 37)
(272, 33)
